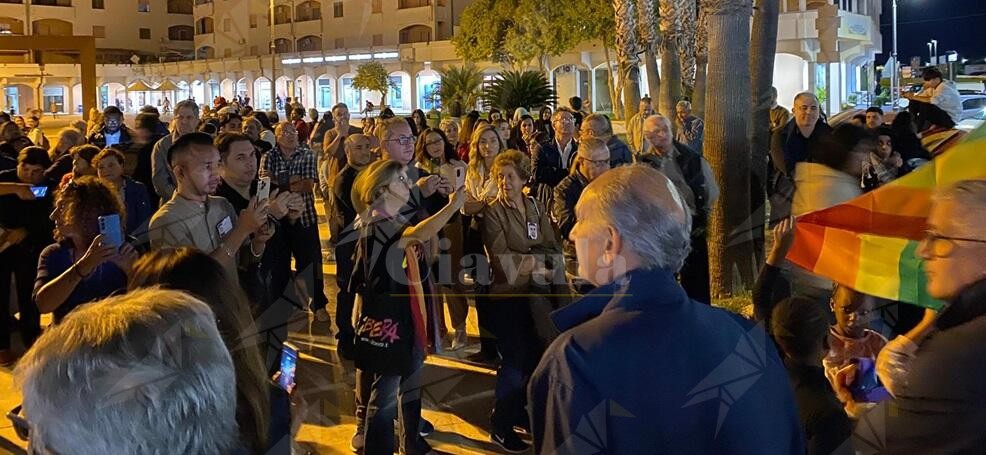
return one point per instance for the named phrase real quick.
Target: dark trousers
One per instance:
(345, 300)
(521, 349)
(22, 263)
(694, 275)
(275, 311)
(306, 248)
(395, 396)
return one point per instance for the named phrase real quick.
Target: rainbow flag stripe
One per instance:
(870, 243)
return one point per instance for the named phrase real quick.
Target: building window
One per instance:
(203, 26)
(401, 4)
(415, 34)
(309, 43)
(143, 6)
(54, 99)
(180, 6)
(377, 6)
(282, 14)
(340, 43)
(253, 50)
(337, 9)
(282, 45)
(98, 4)
(227, 52)
(308, 11)
(253, 21)
(378, 40)
(99, 31)
(227, 24)
(181, 33)
(145, 33)
(51, 2)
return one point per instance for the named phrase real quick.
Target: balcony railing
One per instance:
(51, 2)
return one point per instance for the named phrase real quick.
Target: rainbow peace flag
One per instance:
(870, 243)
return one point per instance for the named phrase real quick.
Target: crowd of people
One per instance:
(186, 244)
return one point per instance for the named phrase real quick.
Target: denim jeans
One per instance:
(386, 392)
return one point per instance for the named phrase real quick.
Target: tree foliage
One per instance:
(513, 89)
(373, 76)
(461, 86)
(519, 33)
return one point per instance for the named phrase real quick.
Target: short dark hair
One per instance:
(107, 153)
(224, 141)
(84, 151)
(834, 149)
(575, 102)
(111, 110)
(35, 156)
(875, 109)
(860, 117)
(229, 117)
(185, 143)
(931, 72)
(146, 121)
(799, 326)
(148, 109)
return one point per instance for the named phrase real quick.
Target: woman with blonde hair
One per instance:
(391, 340)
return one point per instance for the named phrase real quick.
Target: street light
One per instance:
(931, 55)
(934, 42)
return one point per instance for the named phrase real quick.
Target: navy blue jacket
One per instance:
(642, 369)
(546, 166)
(619, 153)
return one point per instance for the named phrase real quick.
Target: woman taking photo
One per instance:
(434, 154)
(83, 265)
(525, 257)
(391, 341)
(190, 270)
(109, 167)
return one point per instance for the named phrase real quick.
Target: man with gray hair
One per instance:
(640, 367)
(185, 121)
(690, 130)
(155, 378)
(598, 126)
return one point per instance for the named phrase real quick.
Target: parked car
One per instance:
(973, 122)
(972, 105)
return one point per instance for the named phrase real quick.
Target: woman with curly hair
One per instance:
(82, 265)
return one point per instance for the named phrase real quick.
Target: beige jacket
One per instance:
(817, 187)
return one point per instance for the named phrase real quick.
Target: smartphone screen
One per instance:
(460, 177)
(289, 363)
(39, 191)
(263, 189)
(109, 226)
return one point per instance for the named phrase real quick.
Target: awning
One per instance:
(166, 86)
(139, 86)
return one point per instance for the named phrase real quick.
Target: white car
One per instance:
(972, 105)
(973, 122)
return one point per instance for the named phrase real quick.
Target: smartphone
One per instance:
(866, 388)
(283, 181)
(460, 177)
(447, 171)
(289, 364)
(109, 226)
(39, 191)
(263, 189)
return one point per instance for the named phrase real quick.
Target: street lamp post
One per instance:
(934, 44)
(895, 71)
(931, 55)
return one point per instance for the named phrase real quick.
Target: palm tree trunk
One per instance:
(763, 46)
(698, 93)
(726, 146)
(653, 74)
(627, 53)
(670, 91)
(617, 108)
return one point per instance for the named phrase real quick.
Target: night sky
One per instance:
(958, 25)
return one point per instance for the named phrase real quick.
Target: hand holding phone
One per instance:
(39, 191)
(109, 227)
(263, 189)
(289, 364)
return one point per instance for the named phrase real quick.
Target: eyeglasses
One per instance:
(566, 121)
(596, 163)
(21, 426)
(941, 246)
(403, 140)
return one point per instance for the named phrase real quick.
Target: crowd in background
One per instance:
(584, 255)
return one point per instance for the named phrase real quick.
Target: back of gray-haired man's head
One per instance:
(643, 205)
(145, 372)
(601, 119)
